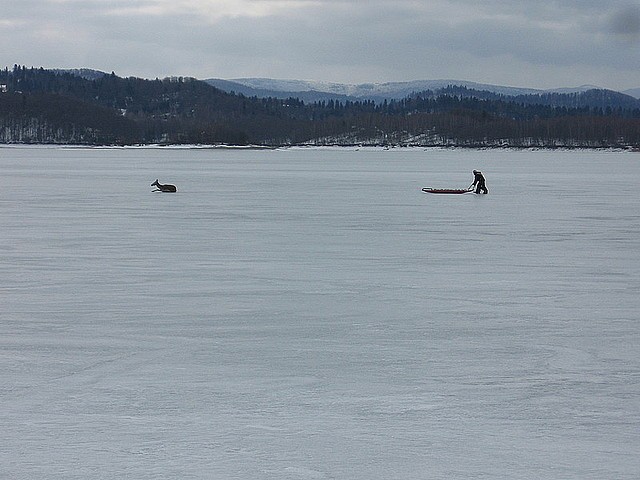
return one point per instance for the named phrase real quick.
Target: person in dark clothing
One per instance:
(479, 182)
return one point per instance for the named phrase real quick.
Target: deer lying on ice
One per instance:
(163, 188)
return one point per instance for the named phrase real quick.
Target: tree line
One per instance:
(47, 106)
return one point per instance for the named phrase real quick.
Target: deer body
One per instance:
(163, 188)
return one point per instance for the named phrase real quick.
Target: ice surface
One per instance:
(311, 314)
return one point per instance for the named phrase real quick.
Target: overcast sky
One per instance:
(533, 43)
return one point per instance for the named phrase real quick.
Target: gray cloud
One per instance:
(626, 22)
(540, 43)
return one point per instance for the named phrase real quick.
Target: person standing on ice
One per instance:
(479, 182)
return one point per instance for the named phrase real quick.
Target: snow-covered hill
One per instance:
(365, 90)
(634, 92)
(316, 90)
(376, 91)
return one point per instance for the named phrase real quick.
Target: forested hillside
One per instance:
(46, 106)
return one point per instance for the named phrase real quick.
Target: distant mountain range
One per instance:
(310, 91)
(318, 91)
(95, 108)
(633, 92)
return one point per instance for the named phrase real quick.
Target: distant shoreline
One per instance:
(314, 147)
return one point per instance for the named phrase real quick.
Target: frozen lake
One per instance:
(310, 314)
